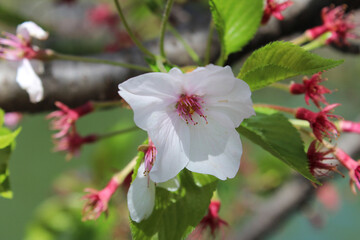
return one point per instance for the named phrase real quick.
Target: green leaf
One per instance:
(275, 134)
(280, 60)
(176, 214)
(153, 65)
(7, 137)
(155, 6)
(2, 115)
(5, 190)
(236, 22)
(7, 144)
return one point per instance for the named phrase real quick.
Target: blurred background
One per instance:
(47, 202)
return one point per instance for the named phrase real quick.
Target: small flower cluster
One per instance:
(322, 162)
(336, 22)
(319, 122)
(64, 120)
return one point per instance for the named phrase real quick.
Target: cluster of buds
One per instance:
(64, 120)
(319, 121)
(322, 162)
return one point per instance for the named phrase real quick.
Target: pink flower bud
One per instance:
(311, 89)
(211, 221)
(97, 201)
(72, 143)
(12, 119)
(320, 164)
(328, 196)
(349, 126)
(353, 167)
(102, 14)
(319, 122)
(66, 117)
(337, 22)
(273, 8)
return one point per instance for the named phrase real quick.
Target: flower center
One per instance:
(187, 106)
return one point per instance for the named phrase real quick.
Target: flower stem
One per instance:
(130, 32)
(164, 20)
(187, 47)
(276, 107)
(160, 64)
(281, 86)
(208, 43)
(317, 43)
(300, 40)
(115, 133)
(221, 59)
(120, 176)
(61, 56)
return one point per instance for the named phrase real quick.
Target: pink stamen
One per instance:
(16, 48)
(187, 105)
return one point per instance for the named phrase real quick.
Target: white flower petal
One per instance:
(214, 150)
(31, 29)
(175, 72)
(171, 139)
(210, 80)
(236, 105)
(29, 81)
(141, 196)
(171, 185)
(149, 93)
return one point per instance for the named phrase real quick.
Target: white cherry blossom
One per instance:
(18, 48)
(191, 119)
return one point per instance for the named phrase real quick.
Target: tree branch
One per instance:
(74, 83)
